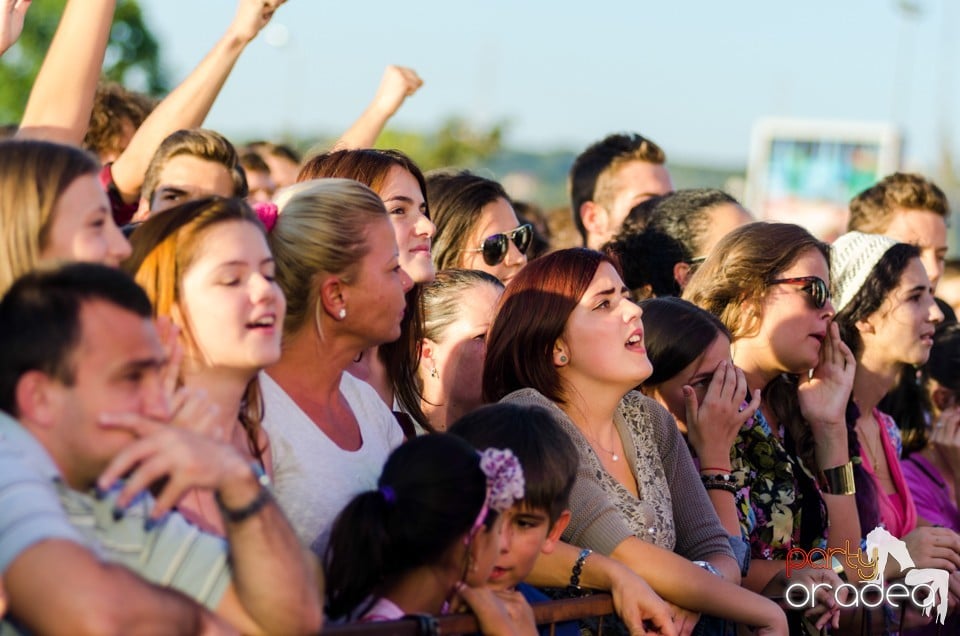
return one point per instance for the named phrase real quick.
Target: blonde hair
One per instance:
(321, 229)
(164, 248)
(33, 177)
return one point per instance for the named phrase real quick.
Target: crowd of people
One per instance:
(247, 391)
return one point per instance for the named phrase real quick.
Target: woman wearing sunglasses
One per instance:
(769, 285)
(477, 227)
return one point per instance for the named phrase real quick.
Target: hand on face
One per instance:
(824, 394)
(176, 459)
(712, 426)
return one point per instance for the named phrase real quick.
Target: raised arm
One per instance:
(398, 83)
(12, 13)
(188, 104)
(61, 100)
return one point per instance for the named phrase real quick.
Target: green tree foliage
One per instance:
(132, 57)
(453, 143)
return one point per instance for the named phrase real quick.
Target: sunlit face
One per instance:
(696, 375)
(524, 533)
(404, 200)
(260, 186)
(792, 329)
(458, 354)
(284, 171)
(928, 231)
(604, 337)
(185, 178)
(495, 218)
(231, 303)
(484, 548)
(82, 227)
(724, 218)
(375, 300)
(901, 330)
(632, 183)
(117, 369)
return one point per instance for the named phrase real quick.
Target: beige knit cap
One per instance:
(852, 257)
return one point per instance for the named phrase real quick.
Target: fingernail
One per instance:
(149, 524)
(99, 493)
(118, 513)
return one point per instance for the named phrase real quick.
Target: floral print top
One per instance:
(774, 485)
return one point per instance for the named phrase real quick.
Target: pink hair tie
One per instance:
(268, 213)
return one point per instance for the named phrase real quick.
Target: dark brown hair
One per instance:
(531, 316)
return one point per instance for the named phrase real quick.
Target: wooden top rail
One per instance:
(545, 614)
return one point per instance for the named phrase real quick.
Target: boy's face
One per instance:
(526, 534)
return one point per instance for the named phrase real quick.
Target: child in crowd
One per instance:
(426, 539)
(533, 525)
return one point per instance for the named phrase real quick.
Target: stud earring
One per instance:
(342, 314)
(434, 373)
(563, 359)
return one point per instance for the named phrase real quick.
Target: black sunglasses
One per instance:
(813, 286)
(495, 247)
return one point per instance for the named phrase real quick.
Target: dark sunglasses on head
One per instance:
(495, 247)
(813, 286)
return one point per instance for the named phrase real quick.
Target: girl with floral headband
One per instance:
(426, 540)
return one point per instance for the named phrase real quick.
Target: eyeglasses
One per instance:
(814, 286)
(495, 247)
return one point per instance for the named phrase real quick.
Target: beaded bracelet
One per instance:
(722, 478)
(730, 488)
(577, 569)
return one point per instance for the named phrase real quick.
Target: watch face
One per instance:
(708, 567)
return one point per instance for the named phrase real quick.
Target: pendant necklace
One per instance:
(613, 454)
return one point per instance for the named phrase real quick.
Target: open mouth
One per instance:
(265, 322)
(635, 341)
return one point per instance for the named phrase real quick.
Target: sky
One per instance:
(693, 75)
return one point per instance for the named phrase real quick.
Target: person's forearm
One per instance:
(364, 131)
(682, 583)
(185, 107)
(58, 587)
(274, 578)
(61, 99)
(845, 532)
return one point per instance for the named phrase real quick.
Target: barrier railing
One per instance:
(547, 613)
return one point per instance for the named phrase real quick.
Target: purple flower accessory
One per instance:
(268, 213)
(388, 494)
(505, 483)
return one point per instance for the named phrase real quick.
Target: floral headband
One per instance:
(268, 213)
(505, 483)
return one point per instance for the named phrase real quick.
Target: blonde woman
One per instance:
(52, 208)
(338, 264)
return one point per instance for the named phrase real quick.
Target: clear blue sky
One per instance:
(692, 75)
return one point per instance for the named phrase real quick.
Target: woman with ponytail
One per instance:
(426, 540)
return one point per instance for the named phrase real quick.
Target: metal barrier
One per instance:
(547, 613)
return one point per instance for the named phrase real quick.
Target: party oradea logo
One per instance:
(924, 587)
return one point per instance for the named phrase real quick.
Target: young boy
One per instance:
(532, 527)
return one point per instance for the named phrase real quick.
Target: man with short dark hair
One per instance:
(609, 178)
(83, 370)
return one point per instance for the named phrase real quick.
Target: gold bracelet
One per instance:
(837, 480)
